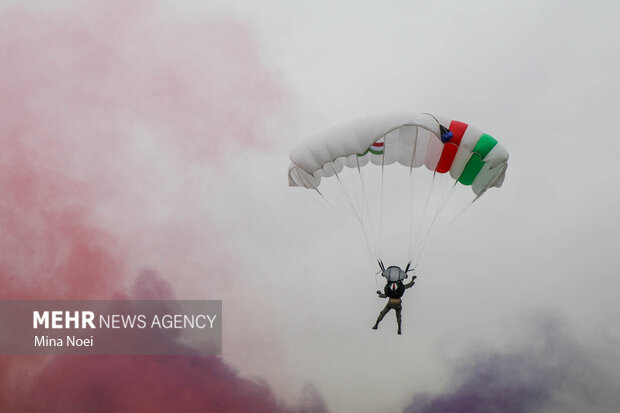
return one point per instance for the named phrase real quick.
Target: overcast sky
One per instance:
(540, 76)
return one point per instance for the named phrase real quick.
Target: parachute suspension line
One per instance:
(333, 210)
(381, 208)
(447, 197)
(410, 238)
(411, 192)
(339, 202)
(348, 205)
(461, 212)
(441, 205)
(328, 206)
(424, 240)
(366, 207)
(421, 219)
(355, 212)
(351, 207)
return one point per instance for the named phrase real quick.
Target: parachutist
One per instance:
(444, 151)
(394, 290)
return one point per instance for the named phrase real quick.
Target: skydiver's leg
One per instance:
(381, 315)
(399, 318)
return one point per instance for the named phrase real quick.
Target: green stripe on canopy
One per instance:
(484, 145)
(373, 151)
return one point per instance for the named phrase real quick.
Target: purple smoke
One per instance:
(556, 372)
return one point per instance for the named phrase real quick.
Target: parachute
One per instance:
(398, 179)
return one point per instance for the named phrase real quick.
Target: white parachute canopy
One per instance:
(398, 178)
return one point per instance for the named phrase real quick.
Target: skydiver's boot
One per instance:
(376, 326)
(398, 328)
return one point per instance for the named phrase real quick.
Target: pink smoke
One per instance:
(93, 99)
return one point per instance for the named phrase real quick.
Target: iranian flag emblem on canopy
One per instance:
(376, 148)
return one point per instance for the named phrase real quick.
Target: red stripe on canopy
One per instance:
(449, 149)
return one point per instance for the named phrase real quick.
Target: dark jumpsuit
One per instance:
(394, 290)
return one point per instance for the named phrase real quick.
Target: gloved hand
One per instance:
(378, 292)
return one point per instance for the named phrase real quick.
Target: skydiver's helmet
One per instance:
(394, 274)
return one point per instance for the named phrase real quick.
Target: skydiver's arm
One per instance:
(410, 283)
(381, 295)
